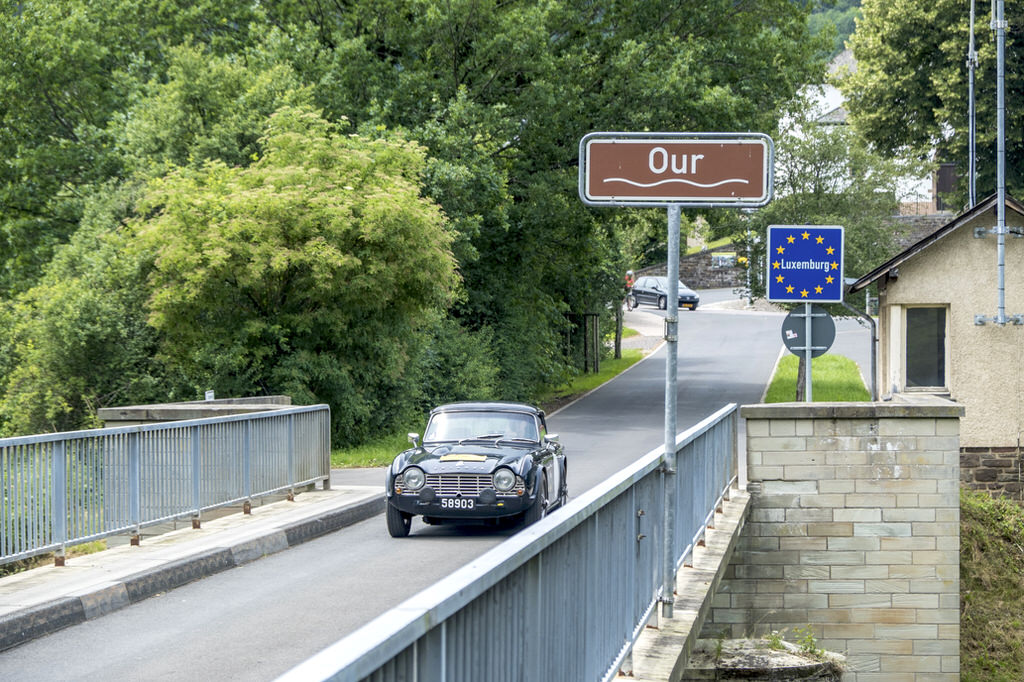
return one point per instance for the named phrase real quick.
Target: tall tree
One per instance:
(66, 68)
(826, 175)
(501, 93)
(100, 93)
(313, 272)
(909, 92)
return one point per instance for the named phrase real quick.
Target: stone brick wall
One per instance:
(696, 271)
(854, 531)
(994, 470)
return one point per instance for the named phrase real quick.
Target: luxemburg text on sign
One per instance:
(716, 169)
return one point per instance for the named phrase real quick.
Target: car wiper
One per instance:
(518, 440)
(486, 436)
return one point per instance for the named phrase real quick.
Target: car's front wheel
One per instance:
(399, 522)
(662, 303)
(540, 505)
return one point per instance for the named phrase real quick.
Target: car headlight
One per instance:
(413, 478)
(504, 480)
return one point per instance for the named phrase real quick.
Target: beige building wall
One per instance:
(985, 364)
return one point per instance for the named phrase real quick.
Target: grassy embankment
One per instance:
(991, 589)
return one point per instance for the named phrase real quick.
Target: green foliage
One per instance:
(455, 364)
(501, 93)
(826, 176)
(909, 91)
(66, 68)
(79, 340)
(991, 588)
(311, 273)
(375, 452)
(255, 269)
(838, 18)
(204, 107)
(807, 643)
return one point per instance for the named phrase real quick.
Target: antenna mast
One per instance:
(972, 65)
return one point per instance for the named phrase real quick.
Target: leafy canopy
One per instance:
(308, 273)
(253, 269)
(910, 89)
(825, 175)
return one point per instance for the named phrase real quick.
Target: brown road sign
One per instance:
(710, 169)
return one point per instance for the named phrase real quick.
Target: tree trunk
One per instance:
(618, 332)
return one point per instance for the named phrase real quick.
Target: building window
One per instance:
(926, 348)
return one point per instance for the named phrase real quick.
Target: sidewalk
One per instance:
(43, 600)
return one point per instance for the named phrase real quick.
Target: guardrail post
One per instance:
(247, 467)
(325, 431)
(59, 501)
(196, 478)
(291, 458)
(135, 487)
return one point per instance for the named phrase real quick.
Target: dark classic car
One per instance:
(478, 463)
(654, 290)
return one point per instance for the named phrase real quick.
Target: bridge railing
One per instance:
(566, 598)
(62, 489)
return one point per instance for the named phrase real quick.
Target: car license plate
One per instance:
(456, 503)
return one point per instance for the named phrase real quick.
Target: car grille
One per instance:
(466, 485)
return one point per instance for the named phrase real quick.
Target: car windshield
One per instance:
(662, 283)
(447, 426)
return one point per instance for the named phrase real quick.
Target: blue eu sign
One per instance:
(805, 263)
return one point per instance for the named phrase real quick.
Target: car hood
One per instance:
(470, 458)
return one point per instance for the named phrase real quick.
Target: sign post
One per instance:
(675, 170)
(804, 264)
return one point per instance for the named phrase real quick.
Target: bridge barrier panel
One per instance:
(565, 598)
(62, 489)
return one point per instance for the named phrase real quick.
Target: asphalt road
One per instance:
(258, 620)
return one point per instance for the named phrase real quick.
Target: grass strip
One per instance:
(834, 378)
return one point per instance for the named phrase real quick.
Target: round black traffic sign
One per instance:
(794, 331)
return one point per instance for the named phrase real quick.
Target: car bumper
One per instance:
(487, 504)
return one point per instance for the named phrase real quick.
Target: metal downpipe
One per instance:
(999, 24)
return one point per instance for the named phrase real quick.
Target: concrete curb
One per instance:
(27, 624)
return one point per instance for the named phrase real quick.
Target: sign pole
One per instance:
(808, 353)
(671, 373)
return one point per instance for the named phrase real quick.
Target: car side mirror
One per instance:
(414, 439)
(551, 438)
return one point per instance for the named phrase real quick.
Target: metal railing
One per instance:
(566, 598)
(62, 489)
